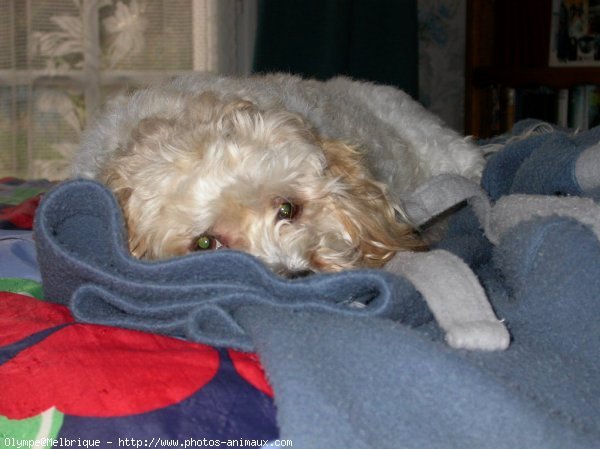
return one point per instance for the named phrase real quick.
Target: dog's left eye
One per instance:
(205, 242)
(287, 211)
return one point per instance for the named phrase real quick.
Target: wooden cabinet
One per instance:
(508, 45)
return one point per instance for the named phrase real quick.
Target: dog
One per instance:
(306, 175)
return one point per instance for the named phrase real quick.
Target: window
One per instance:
(61, 59)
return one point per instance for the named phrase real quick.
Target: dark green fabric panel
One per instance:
(367, 39)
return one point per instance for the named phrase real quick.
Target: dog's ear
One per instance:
(362, 205)
(116, 181)
(133, 179)
(234, 116)
(218, 112)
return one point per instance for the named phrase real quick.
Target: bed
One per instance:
(97, 349)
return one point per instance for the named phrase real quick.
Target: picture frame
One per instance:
(575, 33)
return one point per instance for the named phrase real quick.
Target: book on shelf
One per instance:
(576, 108)
(584, 107)
(562, 108)
(593, 106)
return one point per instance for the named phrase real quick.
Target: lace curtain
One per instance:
(442, 37)
(61, 59)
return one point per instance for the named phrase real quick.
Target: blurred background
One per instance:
(60, 60)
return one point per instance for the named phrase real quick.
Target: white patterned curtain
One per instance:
(442, 37)
(61, 59)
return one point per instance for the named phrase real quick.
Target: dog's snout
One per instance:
(295, 274)
(303, 273)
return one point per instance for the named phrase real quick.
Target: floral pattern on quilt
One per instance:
(99, 382)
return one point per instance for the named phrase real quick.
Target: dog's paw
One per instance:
(478, 335)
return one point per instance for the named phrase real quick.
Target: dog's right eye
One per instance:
(204, 243)
(287, 211)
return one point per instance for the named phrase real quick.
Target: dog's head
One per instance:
(226, 174)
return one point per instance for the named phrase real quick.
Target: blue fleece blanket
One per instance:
(355, 359)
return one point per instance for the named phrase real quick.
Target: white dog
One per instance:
(305, 175)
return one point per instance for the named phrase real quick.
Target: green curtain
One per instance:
(372, 40)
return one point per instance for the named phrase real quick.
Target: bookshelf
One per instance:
(508, 44)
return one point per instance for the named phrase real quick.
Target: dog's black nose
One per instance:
(298, 274)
